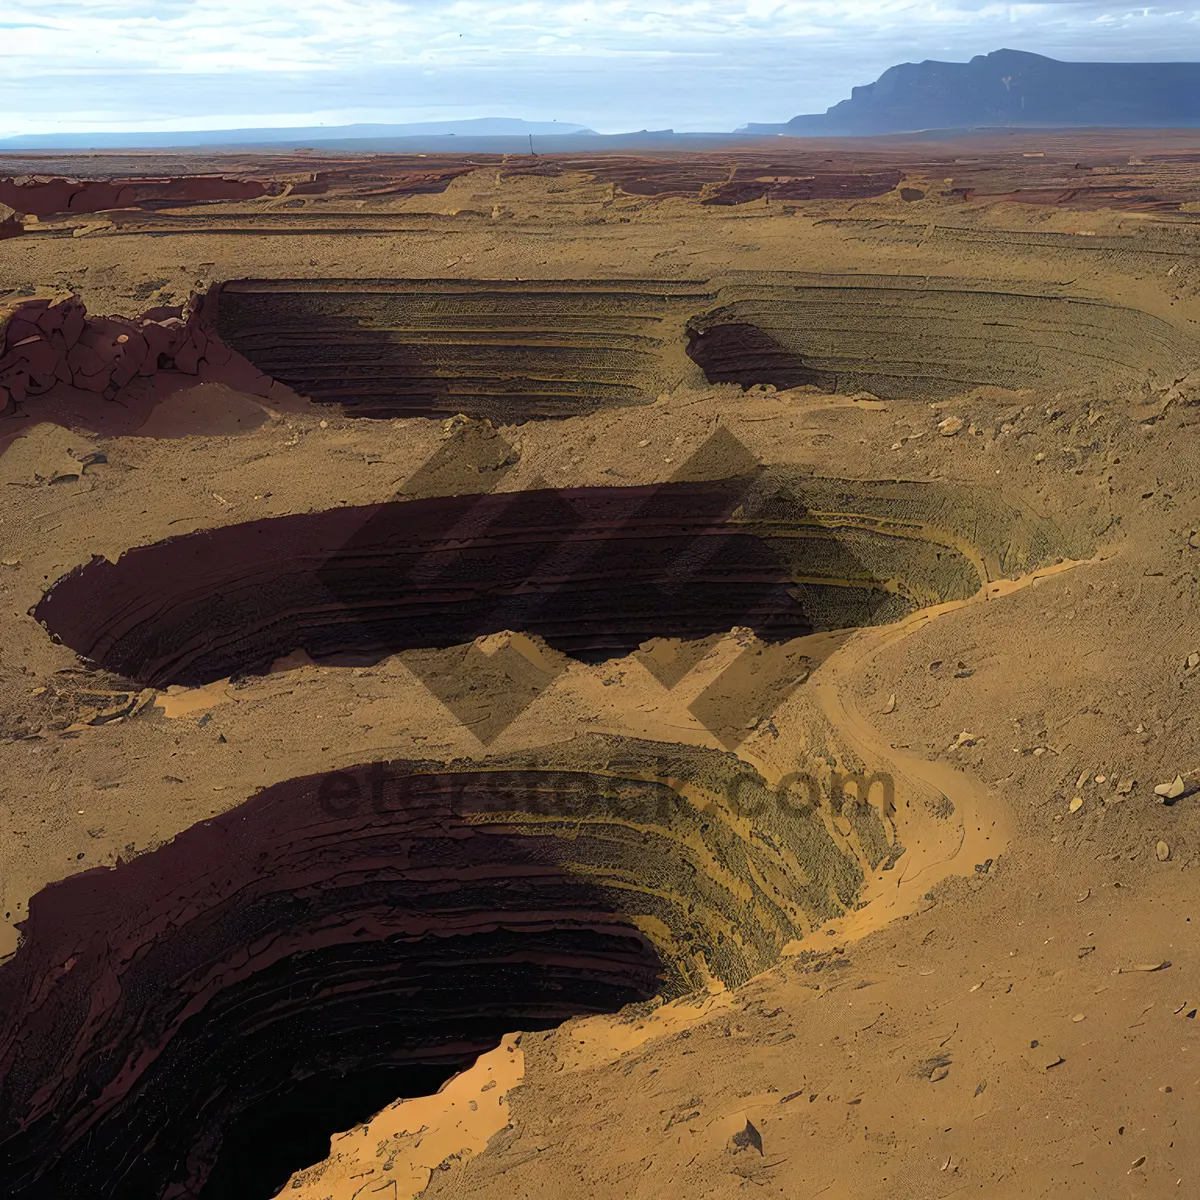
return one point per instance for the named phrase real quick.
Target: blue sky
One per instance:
(612, 64)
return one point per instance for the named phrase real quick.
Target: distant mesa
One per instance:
(1009, 88)
(299, 137)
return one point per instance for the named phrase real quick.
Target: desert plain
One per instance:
(614, 676)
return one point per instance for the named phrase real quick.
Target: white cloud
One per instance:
(614, 64)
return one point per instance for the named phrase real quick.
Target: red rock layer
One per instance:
(1080, 169)
(825, 185)
(46, 343)
(42, 196)
(49, 195)
(725, 178)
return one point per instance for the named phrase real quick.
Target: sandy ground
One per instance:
(1020, 1028)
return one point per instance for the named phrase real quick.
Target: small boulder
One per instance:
(1172, 790)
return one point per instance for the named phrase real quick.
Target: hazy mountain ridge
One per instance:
(292, 137)
(1010, 88)
(1003, 89)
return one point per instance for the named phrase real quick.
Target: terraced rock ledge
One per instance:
(516, 350)
(596, 572)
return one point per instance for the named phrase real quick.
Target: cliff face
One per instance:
(1011, 87)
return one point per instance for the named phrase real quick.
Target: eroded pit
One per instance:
(509, 350)
(596, 572)
(900, 337)
(517, 350)
(199, 1020)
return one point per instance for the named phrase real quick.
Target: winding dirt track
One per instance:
(934, 849)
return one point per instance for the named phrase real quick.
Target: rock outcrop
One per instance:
(45, 195)
(50, 340)
(11, 223)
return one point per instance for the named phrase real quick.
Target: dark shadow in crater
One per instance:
(290, 1131)
(198, 1021)
(596, 572)
(375, 373)
(738, 352)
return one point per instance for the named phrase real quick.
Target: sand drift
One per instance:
(596, 572)
(199, 1020)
